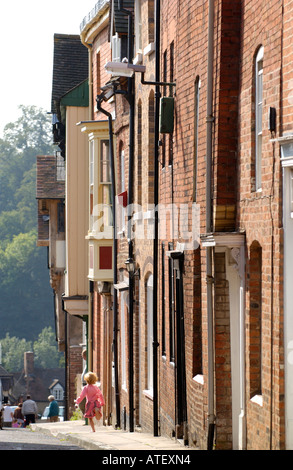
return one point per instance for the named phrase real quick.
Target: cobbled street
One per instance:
(25, 439)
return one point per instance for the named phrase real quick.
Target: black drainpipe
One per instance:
(115, 277)
(66, 362)
(156, 200)
(157, 83)
(130, 97)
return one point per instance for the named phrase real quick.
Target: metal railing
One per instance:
(93, 13)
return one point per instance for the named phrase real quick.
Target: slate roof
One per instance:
(4, 373)
(70, 66)
(39, 384)
(6, 378)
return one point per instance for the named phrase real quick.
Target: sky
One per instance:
(26, 45)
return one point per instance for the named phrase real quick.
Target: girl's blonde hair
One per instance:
(90, 378)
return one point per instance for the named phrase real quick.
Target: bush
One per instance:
(77, 415)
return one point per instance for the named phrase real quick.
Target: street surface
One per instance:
(25, 439)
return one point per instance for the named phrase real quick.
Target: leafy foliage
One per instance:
(13, 350)
(45, 351)
(26, 305)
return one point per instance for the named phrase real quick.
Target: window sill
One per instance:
(257, 399)
(138, 216)
(149, 49)
(138, 58)
(198, 379)
(121, 233)
(149, 215)
(106, 234)
(148, 394)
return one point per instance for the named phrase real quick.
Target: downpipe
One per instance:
(209, 274)
(155, 245)
(130, 97)
(115, 275)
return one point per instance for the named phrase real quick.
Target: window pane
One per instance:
(107, 205)
(150, 332)
(258, 116)
(105, 170)
(91, 163)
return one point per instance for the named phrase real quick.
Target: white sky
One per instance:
(26, 45)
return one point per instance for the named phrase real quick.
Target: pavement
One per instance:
(109, 439)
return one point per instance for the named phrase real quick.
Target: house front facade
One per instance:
(187, 197)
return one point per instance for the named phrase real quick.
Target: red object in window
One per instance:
(122, 199)
(105, 257)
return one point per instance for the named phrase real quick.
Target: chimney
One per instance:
(28, 363)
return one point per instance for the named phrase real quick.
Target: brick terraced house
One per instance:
(189, 237)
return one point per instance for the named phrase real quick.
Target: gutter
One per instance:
(130, 97)
(90, 73)
(209, 250)
(86, 36)
(115, 276)
(156, 200)
(66, 363)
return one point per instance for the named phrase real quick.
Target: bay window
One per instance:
(100, 233)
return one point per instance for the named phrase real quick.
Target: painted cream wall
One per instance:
(77, 204)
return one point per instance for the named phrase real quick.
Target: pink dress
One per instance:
(94, 399)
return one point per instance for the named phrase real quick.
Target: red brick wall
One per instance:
(97, 334)
(233, 65)
(240, 27)
(259, 215)
(74, 369)
(101, 53)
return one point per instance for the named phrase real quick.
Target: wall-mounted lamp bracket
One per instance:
(147, 82)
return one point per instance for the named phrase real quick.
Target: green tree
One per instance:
(26, 305)
(45, 349)
(13, 350)
(30, 131)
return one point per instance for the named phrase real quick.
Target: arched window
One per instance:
(196, 117)
(258, 88)
(139, 153)
(149, 297)
(151, 159)
(123, 337)
(255, 323)
(138, 19)
(151, 21)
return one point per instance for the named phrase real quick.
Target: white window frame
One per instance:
(138, 35)
(291, 192)
(98, 218)
(58, 392)
(121, 208)
(60, 167)
(116, 48)
(150, 335)
(91, 184)
(100, 233)
(124, 304)
(196, 119)
(105, 182)
(258, 116)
